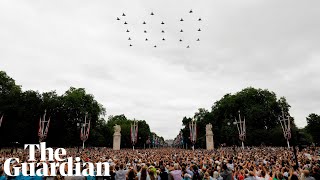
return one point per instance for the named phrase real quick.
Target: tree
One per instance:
(22, 111)
(260, 108)
(313, 127)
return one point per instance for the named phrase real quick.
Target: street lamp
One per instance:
(285, 125)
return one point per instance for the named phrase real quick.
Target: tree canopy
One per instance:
(313, 127)
(23, 109)
(259, 107)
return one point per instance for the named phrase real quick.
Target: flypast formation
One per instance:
(155, 41)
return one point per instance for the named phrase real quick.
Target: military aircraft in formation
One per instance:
(162, 31)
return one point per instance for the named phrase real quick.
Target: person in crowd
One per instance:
(260, 163)
(144, 174)
(176, 174)
(163, 174)
(121, 173)
(185, 174)
(131, 175)
(306, 175)
(226, 173)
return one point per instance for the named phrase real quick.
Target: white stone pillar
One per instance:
(116, 137)
(209, 137)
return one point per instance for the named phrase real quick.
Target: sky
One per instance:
(268, 44)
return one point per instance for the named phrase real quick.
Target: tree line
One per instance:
(22, 110)
(261, 109)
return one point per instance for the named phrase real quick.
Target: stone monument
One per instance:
(209, 137)
(116, 137)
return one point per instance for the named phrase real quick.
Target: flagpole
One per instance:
(1, 120)
(43, 127)
(134, 133)
(285, 124)
(85, 123)
(85, 129)
(193, 132)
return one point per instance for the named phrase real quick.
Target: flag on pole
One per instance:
(85, 129)
(81, 133)
(136, 132)
(193, 131)
(40, 129)
(190, 128)
(47, 129)
(1, 120)
(43, 127)
(131, 135)
(88, 130)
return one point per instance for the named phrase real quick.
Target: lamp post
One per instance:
(285, 125)
(241, 126)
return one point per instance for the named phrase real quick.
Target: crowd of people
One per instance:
(227, 163)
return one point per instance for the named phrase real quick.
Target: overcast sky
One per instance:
(265, 44)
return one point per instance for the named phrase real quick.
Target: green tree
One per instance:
(259, 107)
(22, 111)
(313, 127)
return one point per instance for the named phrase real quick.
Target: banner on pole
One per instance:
(1, 120)
(43, 127)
